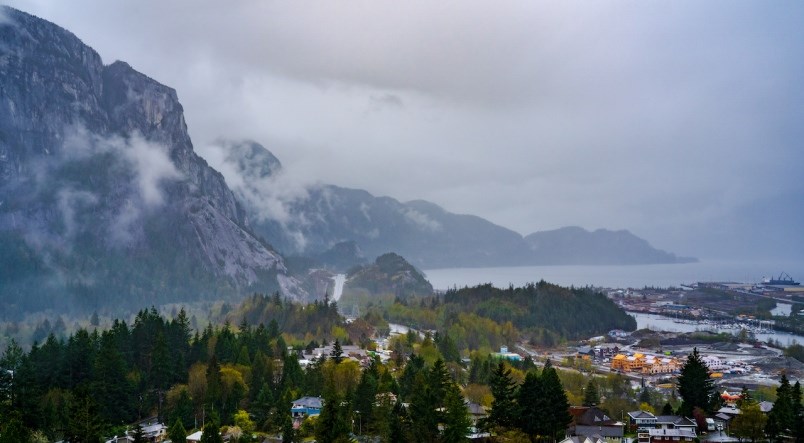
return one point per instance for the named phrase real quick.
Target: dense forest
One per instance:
(484, 317)
(242, 380)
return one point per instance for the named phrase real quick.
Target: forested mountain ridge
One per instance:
(574, 245)
(102, 197)
(389, 274)
(573, 313)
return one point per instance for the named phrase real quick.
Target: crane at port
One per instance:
(783, 279)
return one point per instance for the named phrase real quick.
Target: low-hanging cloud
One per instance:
(141, 166)
(672, 120)
(268, 190)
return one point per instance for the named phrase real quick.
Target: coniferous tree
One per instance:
(366, 397)
(414, 366)
(439, 380)
(177, 432)
(557, 417)
(798, 413)
(337, 352)
(780, 417)
(331, 426)
(12, 430)
(214, 383)
(694, 385)
(591, 397)
(139, 434)
(503, 411)
(456, 416)
(667, 409)
(212, 430)
(83, 425)
(111, 388)
(532, 405)
(288, 433)
(182, 410)
(398, 424)
(423, 410)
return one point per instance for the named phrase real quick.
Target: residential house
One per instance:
(583, 439)
(609, 434)
(641, 420)
(306, 406)
(476, 414)
(152, 431)
(666, 435)
(592, 421)
(675, 422)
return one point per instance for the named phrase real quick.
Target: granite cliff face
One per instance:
(101, 193)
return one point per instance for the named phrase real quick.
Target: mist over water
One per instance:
(632, 276)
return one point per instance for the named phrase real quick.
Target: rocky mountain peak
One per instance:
(101, 191)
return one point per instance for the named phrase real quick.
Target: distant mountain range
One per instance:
(422, 232)
(103, 200)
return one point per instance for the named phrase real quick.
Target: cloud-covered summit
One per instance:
(675, 120)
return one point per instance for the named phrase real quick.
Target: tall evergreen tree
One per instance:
(331, 426)
(214, 383)
(557, 417)
(139, 434)
(532, 405)
(177, 432)
(503, 411)
(212, 430)
(798, 413)
(694, 385)
(111, 388)
(366, 397)
(780, 418)
(337, 352)
(424, 415)
(288, 433)
(591, 397)
(84, 425)
(456, 417)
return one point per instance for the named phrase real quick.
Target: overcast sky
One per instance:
(682, 121)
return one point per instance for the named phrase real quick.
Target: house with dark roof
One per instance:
(306, 406)
(641, 420)
(582, 439)
(667, 435)
(675, 422)
(593, 422)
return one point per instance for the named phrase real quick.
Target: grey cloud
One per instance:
(672, 120)
(68, 201)
(149, 161)
(385, 101)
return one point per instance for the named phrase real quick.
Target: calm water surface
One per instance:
(636, 276)
(661, 323)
